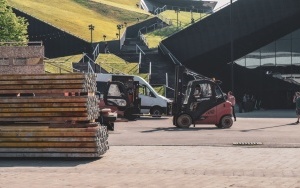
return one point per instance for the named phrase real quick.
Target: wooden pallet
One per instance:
(52, 100)
(41, 141)
(58, 120)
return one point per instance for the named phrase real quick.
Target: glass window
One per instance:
(286, 37)
(219, 93)
(253, 59)
(205, 90)
(296, 34)
(296, 51)
(187, 94)
(144, 90)
(268, 55)
(114, 90)
(275, 53)
(283, 52)
(241, 61)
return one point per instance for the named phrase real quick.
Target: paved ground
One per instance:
(151, 153)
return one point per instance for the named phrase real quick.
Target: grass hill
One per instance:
(61, 64)
(74, 16)
(184, 20)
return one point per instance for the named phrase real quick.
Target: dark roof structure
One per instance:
(247, 25)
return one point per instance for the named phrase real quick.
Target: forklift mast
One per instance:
(178, 94)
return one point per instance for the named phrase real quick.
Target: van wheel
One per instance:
(184, 121)
(156, 112)
(226, 122)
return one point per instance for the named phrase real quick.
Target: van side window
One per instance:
(144, 90)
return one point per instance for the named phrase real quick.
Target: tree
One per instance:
(12, 28)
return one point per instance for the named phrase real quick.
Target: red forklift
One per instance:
(202, 102)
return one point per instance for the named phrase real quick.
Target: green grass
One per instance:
(160, 90)
(74, 16)
(114, 64)
(124, 4)
(184, 20)
(154, 38)
(61, 64)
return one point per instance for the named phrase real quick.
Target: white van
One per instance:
(151, 101)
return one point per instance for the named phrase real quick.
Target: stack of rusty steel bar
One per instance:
(50, 115)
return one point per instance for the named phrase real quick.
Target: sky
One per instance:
(221, 3)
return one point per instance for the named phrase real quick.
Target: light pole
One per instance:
(192, 18)
(231, 48)
(91, 28)
(177, 11)
(119, 27)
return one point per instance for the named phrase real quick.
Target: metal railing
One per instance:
(114, 70)
(160, 10)
(143, 5)
(31, 43)
(140, 51)
(96, 52)
(60, 68)
(90, 69)
(143, 38)
(206, 14)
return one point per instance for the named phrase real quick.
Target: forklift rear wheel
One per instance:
(156, 111)
(110, 126)
(226, 122)
(128, 114)
(184, 121)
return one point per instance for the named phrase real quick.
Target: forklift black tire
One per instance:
(156, 111)
(225, 123)
(128, 114)
(184, 121)
(110, 126)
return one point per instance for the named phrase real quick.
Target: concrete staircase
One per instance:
(160, 66)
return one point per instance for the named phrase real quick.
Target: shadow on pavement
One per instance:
(262, 128)
(44, 162)
(152, 118)
(285, 113)
(199, 128)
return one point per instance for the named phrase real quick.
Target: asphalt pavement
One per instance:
(261, 149)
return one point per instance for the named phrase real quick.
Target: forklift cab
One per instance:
(115, 95)
(124, 98)
(202, 95)
(203, 103)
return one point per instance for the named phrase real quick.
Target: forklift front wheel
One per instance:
(184, 121)
(225, 123)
